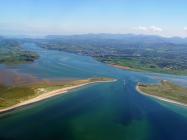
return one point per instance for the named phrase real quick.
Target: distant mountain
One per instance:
(177, 40)
(1, 37)
(129, 38)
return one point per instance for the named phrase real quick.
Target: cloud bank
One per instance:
(151, 29)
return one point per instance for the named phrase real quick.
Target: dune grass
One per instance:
(166, 90)
(11, 95)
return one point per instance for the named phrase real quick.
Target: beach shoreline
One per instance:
(160, 98)
(48, 95)
(120, 67)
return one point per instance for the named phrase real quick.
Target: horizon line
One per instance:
(79, 34)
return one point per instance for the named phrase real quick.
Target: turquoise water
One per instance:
(107, 111)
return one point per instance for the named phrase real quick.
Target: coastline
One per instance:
(147, 71)
(160, 98)
(49, 94)
(120, 67)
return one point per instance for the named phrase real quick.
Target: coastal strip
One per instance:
(50, 94)
(121, 67)
(160, 98)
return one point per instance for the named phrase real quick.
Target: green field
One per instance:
(166, 90)
(145, 64)
(11, 95)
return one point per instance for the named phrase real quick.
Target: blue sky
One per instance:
(42, 17)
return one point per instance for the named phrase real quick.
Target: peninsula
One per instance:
(15, 97)
(165, 91)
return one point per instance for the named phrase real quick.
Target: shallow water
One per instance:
(98, 111)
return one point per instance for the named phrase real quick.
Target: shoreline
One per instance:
(141, 70)
(120, 67)
(47, 95)
(160, 98)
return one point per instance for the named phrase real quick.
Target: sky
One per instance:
(61, 17)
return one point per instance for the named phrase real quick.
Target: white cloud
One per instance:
(142, 28)
(155, 29)
(185, 28)
(149, 28)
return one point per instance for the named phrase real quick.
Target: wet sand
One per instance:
(121, 67)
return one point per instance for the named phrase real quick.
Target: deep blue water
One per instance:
(95, 112)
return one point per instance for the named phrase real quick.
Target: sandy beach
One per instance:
(160, 98)
(48, 95)
(121, 67)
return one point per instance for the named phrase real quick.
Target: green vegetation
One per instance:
(151, 64)
(166, 90)
(56, 86)
(139, 52)
(100, 79)
(11, 95)
(11, 53)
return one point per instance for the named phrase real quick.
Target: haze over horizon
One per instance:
(60, 17)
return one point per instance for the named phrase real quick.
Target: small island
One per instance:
(13, 97)
(166, 91)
